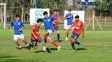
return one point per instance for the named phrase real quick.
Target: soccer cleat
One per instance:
(58, 48)
(29, 46)
(60, 40)
(78, 43)
(48, 50)
(19, 47)
(66, 38)
(72, 45)
(44, 48)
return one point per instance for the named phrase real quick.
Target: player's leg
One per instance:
(31, 45)
(55, 44)
(45, 48)
(72, 41)
(46, 36)
(23, 39)
(76, 37)
(16, 37)
(68, 26)
(58, 33)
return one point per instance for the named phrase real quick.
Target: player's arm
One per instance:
(82, 29)
(33, 32)
(22, 26)
(11, 25)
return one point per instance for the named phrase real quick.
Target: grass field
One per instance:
(96, 47)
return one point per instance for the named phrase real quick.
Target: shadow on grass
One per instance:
(1, 56)
(39, 51)
(7, 58)
(53, 49)
(11, 60)
(24, 48)
(81, 49)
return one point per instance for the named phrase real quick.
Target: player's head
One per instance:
(55, 11)
(39, 21)
(17, 17)
(77, 17)
(69, 10)
(45, 14)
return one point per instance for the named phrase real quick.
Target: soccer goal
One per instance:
(3, 14)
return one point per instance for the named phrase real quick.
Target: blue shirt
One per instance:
(17, 25)
(69, 18)
(48, 23)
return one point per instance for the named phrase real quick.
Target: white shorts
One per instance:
(68, 26)
(50, 32)
(16, 37)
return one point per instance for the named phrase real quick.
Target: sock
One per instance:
(77, 43)
(34, 44)
(25, 42)
(66, 34)
(17, 43)
(45, 37)
(58, 37)
(48, 50)
(72, 45)
(55, 44)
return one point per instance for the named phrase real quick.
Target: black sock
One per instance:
(76, 42)
(73, 46)
(48, 50)
(58, 36)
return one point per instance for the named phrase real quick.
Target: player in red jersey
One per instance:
(77, 30)
(56, 25)
(35, 36)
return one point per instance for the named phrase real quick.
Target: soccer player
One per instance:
(18, 31)
(77, 30)
(35, 36)
(55, 24)
(69, 18)
(48, 23)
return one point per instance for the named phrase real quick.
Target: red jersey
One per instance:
(34, 32)
(55, 17)
(78, 27)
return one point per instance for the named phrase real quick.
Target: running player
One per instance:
(35, 36)
(77, 30)
(69, 18)
(48, 23)
(55, 24)
(18, 31)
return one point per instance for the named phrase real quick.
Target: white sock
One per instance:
(66, 38)
(44, 48)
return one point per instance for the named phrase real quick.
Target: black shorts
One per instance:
(37, 40)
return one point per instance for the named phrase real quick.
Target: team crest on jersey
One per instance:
(18, 23)
(49, 20)
(79, 24)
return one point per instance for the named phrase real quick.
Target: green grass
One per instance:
(97, 45)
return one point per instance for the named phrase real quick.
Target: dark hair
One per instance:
(55, 10)
(69, 9)
(45, 12)
(39, 20)
(17, 16)
(77, 16)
